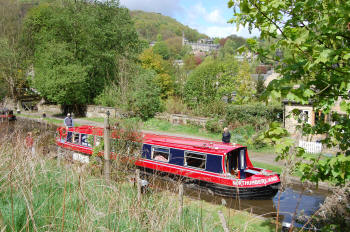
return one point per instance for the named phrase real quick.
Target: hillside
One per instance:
(149, 25)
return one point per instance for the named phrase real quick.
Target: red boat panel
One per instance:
(199, 145)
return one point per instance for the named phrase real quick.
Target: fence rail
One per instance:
(311, 147)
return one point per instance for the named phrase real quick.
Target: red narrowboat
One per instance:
(7, 115)
(224, 169)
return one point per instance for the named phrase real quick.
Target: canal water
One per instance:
(307, 201)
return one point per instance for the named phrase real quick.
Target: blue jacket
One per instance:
(68, 121)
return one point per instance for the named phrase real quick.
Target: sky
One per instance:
(207, 16)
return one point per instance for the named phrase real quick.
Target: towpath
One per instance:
(262, 157)
(268, 158)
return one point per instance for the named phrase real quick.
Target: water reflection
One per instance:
(309, 202)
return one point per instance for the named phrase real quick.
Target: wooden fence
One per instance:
(311, 147)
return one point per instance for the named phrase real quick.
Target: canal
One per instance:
(288, 200)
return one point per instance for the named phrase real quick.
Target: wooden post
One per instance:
(107, 148)
(181, 199)
(223, 221)
(138, 183)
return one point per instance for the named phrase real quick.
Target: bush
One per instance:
(174, 105)
(109, 96)
(213, 125)
(146, 100)
(257, 115)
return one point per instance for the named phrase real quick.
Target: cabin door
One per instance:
(236, 162)
(242, 163)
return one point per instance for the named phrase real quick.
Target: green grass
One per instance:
(93, 119)
(163, 125)
(241, 135)
(48, 196)
(271, 167)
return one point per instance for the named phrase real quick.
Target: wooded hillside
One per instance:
(149, 25)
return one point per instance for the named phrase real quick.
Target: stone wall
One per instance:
(93, 111)
(49, 109)
(183, 119)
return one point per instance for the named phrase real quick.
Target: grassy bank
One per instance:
(49, 120)
(39, 194)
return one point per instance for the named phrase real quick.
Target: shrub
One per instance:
(146, 100)
(255, 114)
(213, 125)
(174, 105)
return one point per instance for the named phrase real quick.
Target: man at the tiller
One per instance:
(68, 122)
(226, 136)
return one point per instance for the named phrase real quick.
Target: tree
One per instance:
(162, 49)
(11, 72)
(164, 78)
(317, 35)
(229, 48)
(260, 86)
(146, 95)
(92, 37)
(217, 78)
(175, 46)
(59, 76)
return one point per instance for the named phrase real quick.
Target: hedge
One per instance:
(254, 114)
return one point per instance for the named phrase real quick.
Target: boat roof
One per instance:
(185, 143)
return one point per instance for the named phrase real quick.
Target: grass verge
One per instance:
(39, 194)
(271, 167)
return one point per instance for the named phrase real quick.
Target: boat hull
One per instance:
(253, 193)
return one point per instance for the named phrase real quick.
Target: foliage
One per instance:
(316, 33)
(146, 95)
(255, 114)
(229, 48)
(190, 62)
(216, 79)
(175, 105)
(213, 125)
(12, 78)
(164, 78)
(109, 96)
(149, 25)
(57, 69)
(129, 138)
(175, 47)
(93, 37)
(162, 49)
(260, 86)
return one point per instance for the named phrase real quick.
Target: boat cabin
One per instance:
(224, 168)
(201, 155)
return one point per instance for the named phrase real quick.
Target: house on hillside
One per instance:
(202, 45)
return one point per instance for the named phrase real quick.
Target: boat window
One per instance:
(76, 138)
(85, 140)
(195, 160)
(160, 154)
(242, 156)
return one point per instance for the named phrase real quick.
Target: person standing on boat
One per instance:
(226, 136)
(68, 122)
